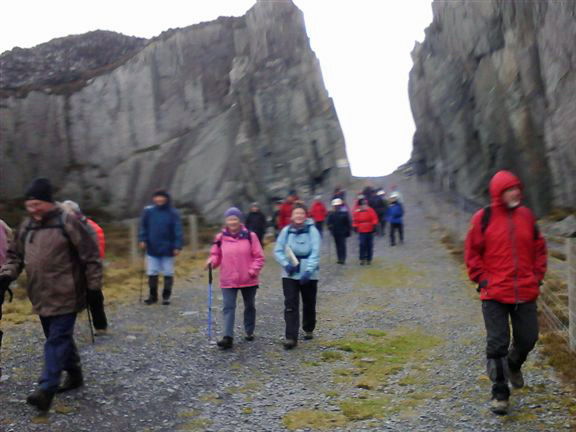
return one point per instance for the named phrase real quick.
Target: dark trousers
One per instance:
(366, 246)
(396, 227)
(60, 352)
(96, 304)
(382, 226)
(500, 356)
(292, 292)
(320, 227)
(340, 241)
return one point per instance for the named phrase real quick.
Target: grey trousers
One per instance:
(501, 357)
(229, 296)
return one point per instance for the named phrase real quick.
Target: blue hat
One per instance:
(233, 211)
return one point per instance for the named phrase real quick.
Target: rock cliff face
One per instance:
(219, 113)
(494, 87)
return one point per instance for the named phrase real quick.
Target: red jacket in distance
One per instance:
(318, 211)
(285, 215)
(365, 220)
(99, 236)
(509, 258)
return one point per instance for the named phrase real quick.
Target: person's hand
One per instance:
(483, 284)
(252, 273)
(208, 263)
(305, 278)
(94, 297)
(142, 245)
(289, 269)
(176, 252)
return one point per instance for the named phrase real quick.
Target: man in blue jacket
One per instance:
(161, 238)
(396, 218)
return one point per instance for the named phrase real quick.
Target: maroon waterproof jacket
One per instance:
(509, 258)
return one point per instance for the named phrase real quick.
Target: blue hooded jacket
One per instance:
(395, 213)
(161, 230)
(305, 243)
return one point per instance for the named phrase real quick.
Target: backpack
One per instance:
(487, 215)
(218, 240)
(61, 226)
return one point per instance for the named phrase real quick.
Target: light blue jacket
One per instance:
(305, 243)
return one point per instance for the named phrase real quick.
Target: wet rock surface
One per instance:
(156, 371)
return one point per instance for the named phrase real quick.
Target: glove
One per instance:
(5, 282)
(290, 269)
(305, 278)
(94, 297)
(483, 284)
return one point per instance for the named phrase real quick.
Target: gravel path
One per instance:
(156, 371)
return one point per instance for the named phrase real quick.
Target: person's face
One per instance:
(160, 200)
(298, 216)
(38, 209)
(254, 209)
(232, 223)
(512, 197)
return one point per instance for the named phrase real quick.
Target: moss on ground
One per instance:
(313, 419)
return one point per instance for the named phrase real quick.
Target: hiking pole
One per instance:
(209, 302)
(329, 251)
(142, 275)
(90, 324)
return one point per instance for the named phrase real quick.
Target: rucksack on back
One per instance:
(487, 215)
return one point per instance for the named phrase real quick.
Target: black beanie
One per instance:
(40, 189)
(161, 192)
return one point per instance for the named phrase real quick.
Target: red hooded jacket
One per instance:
(509, 258)
(365, 220)
(285, 214)
(99, 237)
(318, 211)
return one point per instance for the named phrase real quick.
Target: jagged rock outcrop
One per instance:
(494, 87)
(219, 113)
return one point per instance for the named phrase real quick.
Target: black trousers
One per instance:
(320, 227)
(382, 226)
(292, 292)
(340, 241)
(96, 305)
(500, 356)
(396, 227)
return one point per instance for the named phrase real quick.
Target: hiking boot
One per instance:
(249, 337)
(368, 262)
(74, 380)
(362, 262)
(226, 342)
(289, 344)
(167, 291)
(340, 262)
(309, 335)
(153, 285)
(516, 378)
(100, 332)
(499, 407)
(41, 399)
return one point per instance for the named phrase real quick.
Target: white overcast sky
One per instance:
(363, 45)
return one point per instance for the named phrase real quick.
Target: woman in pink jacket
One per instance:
(239, 254)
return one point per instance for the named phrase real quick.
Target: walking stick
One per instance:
(142, 275)
(90, 324)
(330, 251)
(209, 302)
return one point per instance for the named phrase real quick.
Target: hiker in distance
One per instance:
(64, 270)
(365, 222)
(318, 212)
(506, 256)
(96, 303)
(239, 255)
(298, 252)
(395, 216)
(161, 238)
(340, 227)
(256, 222)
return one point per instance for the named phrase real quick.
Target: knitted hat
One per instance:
(161, 192)
(233, 211)
(40, 189)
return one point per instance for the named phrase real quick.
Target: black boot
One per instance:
(74, 379)
(167, 291)
(226, 342)
(153, 284)
(41, 399)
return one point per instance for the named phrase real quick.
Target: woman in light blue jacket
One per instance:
(298, 252)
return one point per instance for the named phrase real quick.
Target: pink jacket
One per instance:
(240, 256)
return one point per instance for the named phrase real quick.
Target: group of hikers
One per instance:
(62, 250)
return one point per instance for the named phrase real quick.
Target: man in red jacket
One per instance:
(285, 214)
(506, 255)
(365, 221)
(319, 213)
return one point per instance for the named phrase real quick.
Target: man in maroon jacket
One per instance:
(506, 255)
